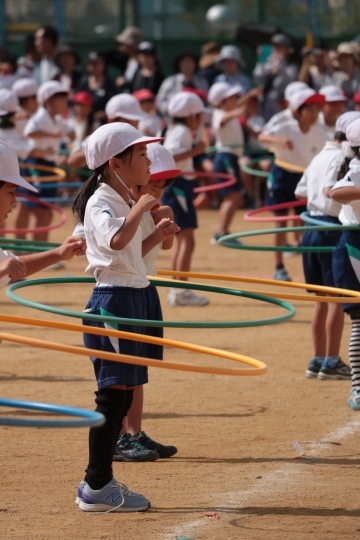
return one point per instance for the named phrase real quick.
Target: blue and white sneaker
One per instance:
(354, 399)
(80, 491)
(235, 242)
(114, 497)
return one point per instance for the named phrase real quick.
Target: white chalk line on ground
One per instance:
(271, 482)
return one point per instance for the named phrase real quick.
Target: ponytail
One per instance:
(85, 192)
(349, 153)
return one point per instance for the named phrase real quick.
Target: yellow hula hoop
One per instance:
(289, 166)
(260, 366)
(355, 295)
(57, 176)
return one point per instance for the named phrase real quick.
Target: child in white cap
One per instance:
(184, 108)
(328, 319)
(294, 144)
(134, 444)
(286, 114)
(124, 108)
(116, 153)
(346, 255)
(334, 106)
(25, 90)
(13, 268)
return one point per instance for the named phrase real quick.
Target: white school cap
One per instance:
(49, 89)
(9, 168)
(305, 97)
(345, 120)
(112, 139)
(124, 106)
(8, 102)
(185, 104)
(294, 87)
(25, 87)
(163, 164)
(332, 93)
(353, 133)
(223, 90)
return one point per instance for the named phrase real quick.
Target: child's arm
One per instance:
(77, 160)
(345, 194)
(164, 232)
(14, 268)
(126, 233)
(164, 212)
(198, 149)
(239, 110)
(38, 134)
(274, 140)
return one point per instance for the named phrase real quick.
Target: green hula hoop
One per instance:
(247, 169)
(18, 244)
(141, 322)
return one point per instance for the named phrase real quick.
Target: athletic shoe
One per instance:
(231, 242)
(114, 497)
(162, 450)
(354, 399)
(127, 449)
(282, 275)
(313, 369)
(340, 372)
(80, 491)
(186, 297)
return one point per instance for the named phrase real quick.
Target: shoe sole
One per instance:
(106, 508)
(353, 406)
(325, 377)
(150, 458)
(310, 374)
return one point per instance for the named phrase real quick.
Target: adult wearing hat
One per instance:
(275, 74)
(67, 59)
(128, 42)
(148, 74)
(231, 63)
(348, 77)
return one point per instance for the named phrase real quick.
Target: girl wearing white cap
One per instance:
(334, 106)
(328, 319)
(115, 248)
(13, 268)
(346, 255)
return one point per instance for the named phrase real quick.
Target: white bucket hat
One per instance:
(353, 133)
(230, 52)
(112, 139)
(185, 104)
(222, 90)
(9, 168)
(332, 93)
(26, 87)
(345, 120)
(163, 164)
(124, 106)
(9, 103)
(49, 89)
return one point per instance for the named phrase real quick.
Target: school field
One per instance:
(234, 434)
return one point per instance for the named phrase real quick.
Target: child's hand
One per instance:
(14, 268)
(288, 144)
(199, 148)
(148, 202)
(74, 245)
(165, 229)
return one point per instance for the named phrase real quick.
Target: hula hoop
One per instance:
(58, 174)
(39, 229)
(64, 185)
(254, 172)
(313, 221)
(143, 322)
(259, 366)
(249, 216)
(86, 418)
(275, 283)
(230, 180)
(289, 166)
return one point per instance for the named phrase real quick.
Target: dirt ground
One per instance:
(234, 434)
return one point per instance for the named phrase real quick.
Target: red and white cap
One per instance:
(332, 93)
(49, 89)
(112, 139)
(294, 87)
(353, 133)
(305, 97)
(144, 94)
(163, 165)
(356, 97)
(124, 106)
(25, 87)
(84, 98)
(185, 104)
(8, 102)
(345, 120)
(223, 90)
(9, 168)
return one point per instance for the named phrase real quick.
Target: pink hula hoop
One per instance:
(249, 216)
(230, 180)
(39, 229)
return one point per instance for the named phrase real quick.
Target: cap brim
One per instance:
(19, 181)
(315, 98)
(165, 175)
(336, 99)
(141, 140)
(234, 91)
(127, 116)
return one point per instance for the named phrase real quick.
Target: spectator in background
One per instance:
(129, 40)
(348, 78)
(98, 84)
(275, 74)
(207, 63)
(67, 59)
(356, 101)
(185, 66)
(8, 70)
(231, 63)
(314, 70)
(29, 64)
(46, 40)
(148, 74)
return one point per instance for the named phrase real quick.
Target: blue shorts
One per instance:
(43, 191)
(318, 266)
(179, 196)
(119, 302)
(280, 188)
(224, 162)
(344, 274)
(154, 313)
(199, 159)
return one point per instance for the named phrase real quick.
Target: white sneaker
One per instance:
(185, 297)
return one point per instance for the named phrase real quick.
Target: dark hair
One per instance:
(49, 32)
(6, 121)
(340, 136)
(22, 100)
(345, 165)
(2, 183)
(181, 57)
(29, 43)
(90, 186)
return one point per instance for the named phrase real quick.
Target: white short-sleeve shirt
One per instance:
(106, 212)
(229, 137)
(321, 173)
(281, 117)
(350, 211)
(5, 280)
(22, 146)
(330, 130)
(178, 139)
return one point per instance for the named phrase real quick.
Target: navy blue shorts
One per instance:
(199, 159)
(280, 188)
(155, 314)
(344, 274)
(123, 302)
(179, 196)
(224, 162)
(318, 266)
(43, 191)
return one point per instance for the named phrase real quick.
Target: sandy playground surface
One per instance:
(234, 435)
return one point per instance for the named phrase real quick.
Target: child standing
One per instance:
(25, 90)
(294, 143)
(116, 153)
(183, 109)
(334, 106)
